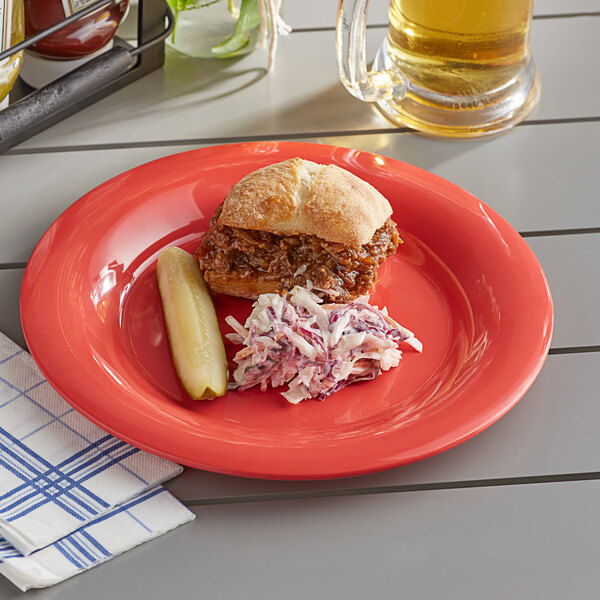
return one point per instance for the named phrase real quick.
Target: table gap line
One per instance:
(584, 13)
(553, 232)
(254, 138)
(560, 121)
(394, 489)
(574, 350)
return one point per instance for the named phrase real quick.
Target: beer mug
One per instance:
(455, 68)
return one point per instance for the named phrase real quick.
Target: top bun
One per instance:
(298, 196)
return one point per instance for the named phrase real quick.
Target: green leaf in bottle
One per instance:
(177, 6)
(249, 19)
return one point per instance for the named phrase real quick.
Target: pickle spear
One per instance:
(194, 336)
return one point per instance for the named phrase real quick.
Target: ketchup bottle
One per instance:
(70, 46)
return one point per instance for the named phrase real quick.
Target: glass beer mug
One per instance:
(455, 68)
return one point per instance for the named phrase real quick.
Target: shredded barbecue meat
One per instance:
(336, 271)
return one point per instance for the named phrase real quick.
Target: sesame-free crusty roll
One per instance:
(298, 196)
(296, 222)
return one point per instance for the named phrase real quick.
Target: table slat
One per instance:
(322, 13)
(538, 177)
(575, 291)
(497, 543)
(200, 99)
(573, 271)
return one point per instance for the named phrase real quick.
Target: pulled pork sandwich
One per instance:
(298, 223)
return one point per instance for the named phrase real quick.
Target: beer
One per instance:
(455, 68)
(460, 47)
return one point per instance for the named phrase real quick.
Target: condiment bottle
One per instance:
(71, 46)
(11, 33)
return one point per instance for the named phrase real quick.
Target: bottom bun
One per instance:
(248, 287)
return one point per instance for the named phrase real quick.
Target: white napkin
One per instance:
(141, 519)
(60, 473)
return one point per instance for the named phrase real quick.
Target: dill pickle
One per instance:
(194, 336)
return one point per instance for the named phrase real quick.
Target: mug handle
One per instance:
(368, 86)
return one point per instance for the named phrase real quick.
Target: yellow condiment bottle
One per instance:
(12, 31)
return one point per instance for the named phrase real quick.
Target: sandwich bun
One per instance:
(299, 196)
(232, 285)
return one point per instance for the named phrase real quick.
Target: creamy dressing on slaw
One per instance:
(314, 348)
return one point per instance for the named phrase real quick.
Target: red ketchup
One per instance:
(71, 46)
(82, 38)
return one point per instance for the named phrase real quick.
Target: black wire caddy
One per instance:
(34, 111)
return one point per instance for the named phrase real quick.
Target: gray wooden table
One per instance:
(513, 513)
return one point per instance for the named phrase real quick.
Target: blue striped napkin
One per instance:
(60, 473)
(141, 519)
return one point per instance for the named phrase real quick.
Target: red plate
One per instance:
(464, 281)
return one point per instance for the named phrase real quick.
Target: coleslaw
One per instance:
(317, 349)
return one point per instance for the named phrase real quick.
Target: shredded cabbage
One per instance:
(317, 349)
